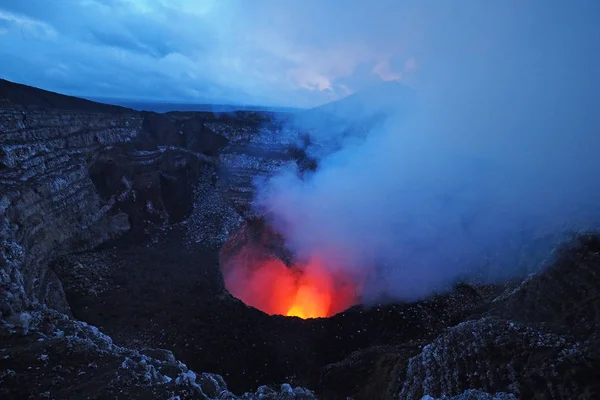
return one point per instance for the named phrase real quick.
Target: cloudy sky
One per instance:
(289, 53)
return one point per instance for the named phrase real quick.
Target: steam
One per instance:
(496, 161)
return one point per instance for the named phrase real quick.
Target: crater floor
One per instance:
(164, 293)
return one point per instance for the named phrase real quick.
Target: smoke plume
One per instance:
(476, 172)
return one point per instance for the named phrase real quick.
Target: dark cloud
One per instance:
(112, 39)
(300, 53)
(260, 52)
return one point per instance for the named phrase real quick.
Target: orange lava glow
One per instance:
(308, 291)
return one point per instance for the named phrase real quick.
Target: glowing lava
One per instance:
(307, 291)
(310, 303)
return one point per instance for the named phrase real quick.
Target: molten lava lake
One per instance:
(306, 291)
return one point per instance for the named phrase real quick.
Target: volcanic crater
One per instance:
(128, 232)
(260, 271)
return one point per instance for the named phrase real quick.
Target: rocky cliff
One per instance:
(75, 174)
(49, 204)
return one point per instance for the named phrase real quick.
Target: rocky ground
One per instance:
(113, 224)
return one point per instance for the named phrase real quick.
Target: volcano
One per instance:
(115, 282)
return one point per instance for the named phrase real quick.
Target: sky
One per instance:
(260, 52)
(287, 53)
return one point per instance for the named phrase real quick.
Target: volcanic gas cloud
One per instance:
(307, 290)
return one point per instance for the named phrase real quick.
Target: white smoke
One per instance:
(496, 159)
(423, 212)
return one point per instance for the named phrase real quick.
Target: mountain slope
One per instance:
(18, 95)
(383, 98)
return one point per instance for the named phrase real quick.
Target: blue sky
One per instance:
(288, 53)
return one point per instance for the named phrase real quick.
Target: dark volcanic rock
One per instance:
(45, 354)
(48, 203)
(473, 394)
(200, 138)
(150, 186)
(256, 234)
(543, 342)
(498, 356)
(564, 297)
(371, 373)
(192, 133)
(75, 174)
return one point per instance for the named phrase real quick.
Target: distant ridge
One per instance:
(164, 107)
(383, 97)
(32, 97)
(363, 108)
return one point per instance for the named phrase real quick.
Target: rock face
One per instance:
(539, 341)
(74, 174)
(121, 219)
(258, 149)
(49, 204)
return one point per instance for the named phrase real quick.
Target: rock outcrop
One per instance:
(258, 149)
(45, 354)
(540, 341)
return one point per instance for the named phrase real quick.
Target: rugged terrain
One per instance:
(113, 225)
